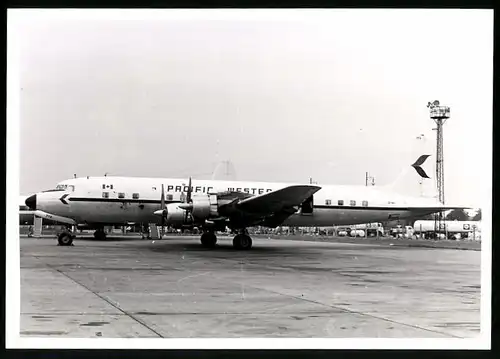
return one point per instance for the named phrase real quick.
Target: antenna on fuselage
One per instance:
(74, 175)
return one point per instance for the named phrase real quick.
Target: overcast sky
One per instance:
(283, 96)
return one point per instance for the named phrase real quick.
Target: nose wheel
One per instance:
(65, 238)
(242, 241)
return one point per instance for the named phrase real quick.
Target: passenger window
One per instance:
(341, 202)
(169, 197)
(105, 194)
(328, 202)
(135, 195)
(121, 195)
(365, 203)
(353, 203)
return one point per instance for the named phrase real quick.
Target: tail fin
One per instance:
(416, 180)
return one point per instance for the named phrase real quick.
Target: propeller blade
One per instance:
(162, 204)
(187, 207)
(188, 197)
(162, 201)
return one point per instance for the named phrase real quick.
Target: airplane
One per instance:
(213, 206)
(25, 214)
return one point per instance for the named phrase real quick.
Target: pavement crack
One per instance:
(105, 299)
(341, 308)
(193, 276)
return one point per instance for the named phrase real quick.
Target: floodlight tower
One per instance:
(440, 114)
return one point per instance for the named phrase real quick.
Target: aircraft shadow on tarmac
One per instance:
(173, 243)
(179, 243)
(222, 246)
(109, 239)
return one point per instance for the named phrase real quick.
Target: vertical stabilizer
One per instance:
(224, 171)
(417, 179)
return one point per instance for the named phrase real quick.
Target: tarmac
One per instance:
(128, 287)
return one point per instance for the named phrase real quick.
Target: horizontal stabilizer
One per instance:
(277, 200)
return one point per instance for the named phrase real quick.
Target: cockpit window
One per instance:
(62, 187)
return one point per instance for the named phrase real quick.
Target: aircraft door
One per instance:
(307, 206)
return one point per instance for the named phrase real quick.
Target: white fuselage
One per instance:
(120, 200)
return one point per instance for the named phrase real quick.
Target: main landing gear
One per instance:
(100, 235)
(241, 241)
(208, 239)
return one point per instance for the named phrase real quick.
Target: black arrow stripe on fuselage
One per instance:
(62, 199)
(119, 200)
(157, 201)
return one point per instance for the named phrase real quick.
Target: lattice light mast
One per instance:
(440, 114)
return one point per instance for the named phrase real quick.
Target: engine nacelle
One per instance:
(175, 215)
(205, 206)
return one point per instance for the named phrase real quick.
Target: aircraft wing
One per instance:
(277, 201)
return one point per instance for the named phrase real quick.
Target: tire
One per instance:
(100, 235)
(242, 242)
(208, 240)
(65, 239)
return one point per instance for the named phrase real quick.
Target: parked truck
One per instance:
(360, 230)
(401, 231)
(371, 229)
(451, 229)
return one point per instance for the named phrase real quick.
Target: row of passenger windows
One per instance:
(168, 197)
(340, 202)
(120, 195)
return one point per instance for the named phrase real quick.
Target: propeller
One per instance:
(187, 206)
(188, 197)
(162, 207)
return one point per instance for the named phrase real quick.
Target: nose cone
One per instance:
(31, 202)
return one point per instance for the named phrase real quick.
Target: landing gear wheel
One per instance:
(65, 239)
(100, 235)
(242, 241)
(208, 239)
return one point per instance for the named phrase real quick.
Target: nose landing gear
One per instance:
(65, 238)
